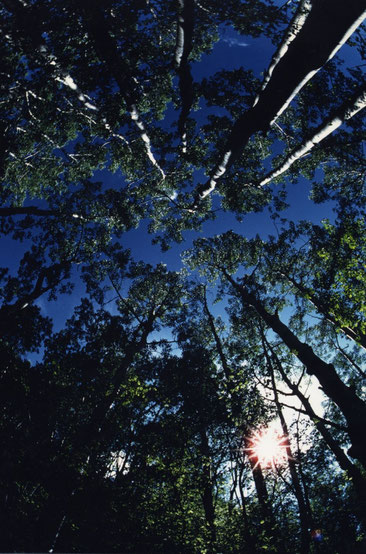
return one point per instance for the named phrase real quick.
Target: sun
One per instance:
(267, 448)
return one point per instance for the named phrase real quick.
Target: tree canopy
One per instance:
(214, 408)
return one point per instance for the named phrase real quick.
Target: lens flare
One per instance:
(267, 448)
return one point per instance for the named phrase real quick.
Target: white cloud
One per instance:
(234, 42)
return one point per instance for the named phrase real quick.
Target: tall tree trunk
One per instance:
(344, 462)
(107, 51)
(269, 522)
(354, 334)
(334, 121)
(12, 211)
(249, 540)
(207, 492)
(184, 43)
(291, 33)
(351, 406)
(28, 18)
(305, 517)
(327, 27)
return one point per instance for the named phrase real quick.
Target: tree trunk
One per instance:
(269, 522)
(250, 542)
(183, 49)
(207, 492)
(29, 210)
(343, 461)
(351, 406)
(355, 335)
(345, 112)
(107, 51)
(305, 517)
(292, 31)
(327, 27)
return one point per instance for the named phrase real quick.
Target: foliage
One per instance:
(127, 428)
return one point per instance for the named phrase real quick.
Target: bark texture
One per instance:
(108, 52)
(184, 43)
(318, 40)
(345, 112)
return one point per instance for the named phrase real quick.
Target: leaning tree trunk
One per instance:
(333, 122)
(107, 51)
(352, 333)
(326, 28)
(342, 459)
(349, 403)
(292, 31)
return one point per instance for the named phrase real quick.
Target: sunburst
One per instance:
(267, 448)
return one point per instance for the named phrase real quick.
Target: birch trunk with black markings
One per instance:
(107, 50)
(333, 122)
(318, 40)
(184, 43)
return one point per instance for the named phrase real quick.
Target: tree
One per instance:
(221, 257)
(131, 428)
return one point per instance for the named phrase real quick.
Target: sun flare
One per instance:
(268, 448)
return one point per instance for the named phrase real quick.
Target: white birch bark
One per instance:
(348, 32)
(318, 40)
(333, 123)
(107, 51)
(293, 30)
(183, 48)
(135, 117)
(179, 45)
(67, 80)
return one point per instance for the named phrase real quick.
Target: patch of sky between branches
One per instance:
(232, 51)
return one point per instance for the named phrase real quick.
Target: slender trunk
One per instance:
(355, 335)
(29, 210)
(28, 22)
(269, 522)
(292, 31)
(350, 360)
(351, 406)
(219, 346)
(343, 461)
(207, 492)
(249, 540)
(183, 49)
(333, 122)
(305, 518)
(107, 51)
(318, 40)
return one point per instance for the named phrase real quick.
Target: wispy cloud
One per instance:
(234, 42)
